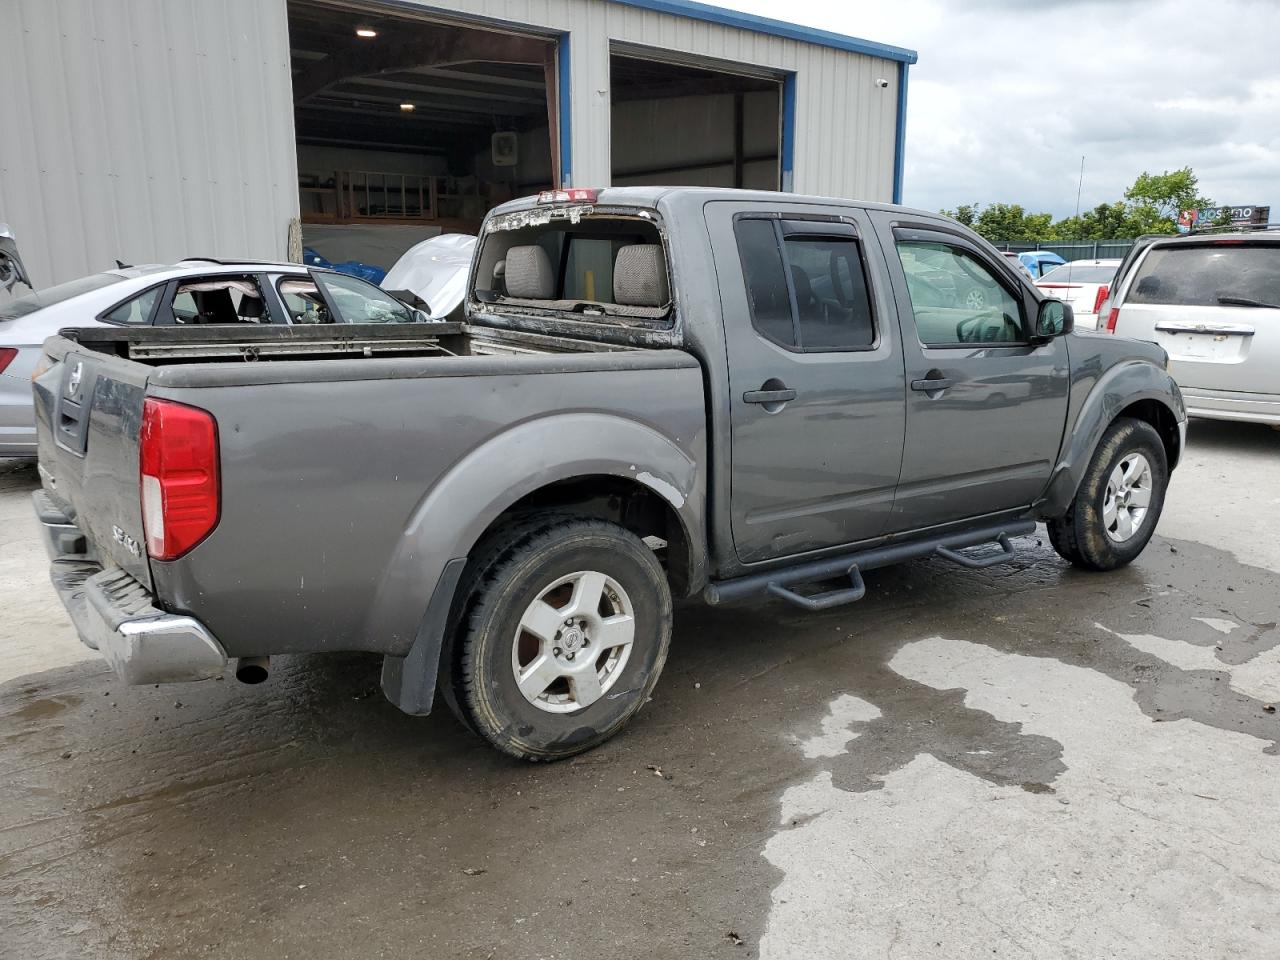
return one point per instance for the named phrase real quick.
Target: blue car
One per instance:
(1040, 262)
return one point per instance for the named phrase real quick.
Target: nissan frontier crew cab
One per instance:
(656, 393)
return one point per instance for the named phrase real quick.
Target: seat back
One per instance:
(528, 274)
(640, 276)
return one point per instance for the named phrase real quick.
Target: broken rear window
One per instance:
(593, 266)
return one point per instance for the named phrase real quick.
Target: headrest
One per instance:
(528, 274)
(640, 276)
(252, 308)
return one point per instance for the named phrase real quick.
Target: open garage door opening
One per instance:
(408, 127)
(677, 123)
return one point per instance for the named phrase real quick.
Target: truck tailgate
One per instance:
(88, 415)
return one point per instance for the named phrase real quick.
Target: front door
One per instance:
(815, 377)
(986, 407)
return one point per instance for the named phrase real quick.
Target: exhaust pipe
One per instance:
(252, 669)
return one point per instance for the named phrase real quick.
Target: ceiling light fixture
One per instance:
(407, 107)
(368, 33)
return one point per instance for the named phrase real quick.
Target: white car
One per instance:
(191, 292)
(1085, 284)
(436, 272)
(1213, 302)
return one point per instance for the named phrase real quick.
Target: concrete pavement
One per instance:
(1027, 760)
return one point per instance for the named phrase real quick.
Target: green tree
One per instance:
(1106, 221)
(966, 213)
(1223, 219)
(1010, 223)
(1168, 193)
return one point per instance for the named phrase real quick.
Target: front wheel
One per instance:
(565, 639)
(1119, 500)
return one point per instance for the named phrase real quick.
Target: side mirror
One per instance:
(1054, 319)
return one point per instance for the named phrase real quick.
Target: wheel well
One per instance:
(1166, 424)
(626, 502)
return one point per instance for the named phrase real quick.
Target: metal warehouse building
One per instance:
(152, 130)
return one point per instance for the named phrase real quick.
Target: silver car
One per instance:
(196, 291)
(1213, 303)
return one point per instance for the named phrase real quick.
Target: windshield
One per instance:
(1079, 273)
(51, 295)
(1204, 275)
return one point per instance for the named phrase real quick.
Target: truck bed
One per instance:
(338, 448)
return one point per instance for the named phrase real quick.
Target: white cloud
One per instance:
(1008, 95)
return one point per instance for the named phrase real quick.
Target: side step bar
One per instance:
(778, 582)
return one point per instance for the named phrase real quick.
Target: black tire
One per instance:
(490, 643)
(1081, 535)
(492, 548)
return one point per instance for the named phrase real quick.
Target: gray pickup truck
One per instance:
(656, 393)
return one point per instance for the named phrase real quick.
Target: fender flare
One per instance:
(417, 586)
(1119, 388)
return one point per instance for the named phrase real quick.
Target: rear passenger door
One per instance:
(986, 406)
(815, 377)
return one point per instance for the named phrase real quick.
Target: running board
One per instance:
(778, 582)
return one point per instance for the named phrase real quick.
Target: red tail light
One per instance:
(6, 356)
(1112, 317)
(1104, 291)
(180, 484)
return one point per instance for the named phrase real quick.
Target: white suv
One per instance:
(1213, 303)
(196, 291)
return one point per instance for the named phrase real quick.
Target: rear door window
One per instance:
(220, 299)
(1209, 275)
(806, 285)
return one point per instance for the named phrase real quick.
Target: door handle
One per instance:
(932, 384)
(769, 396)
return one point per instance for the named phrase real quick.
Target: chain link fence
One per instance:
(1084, 250)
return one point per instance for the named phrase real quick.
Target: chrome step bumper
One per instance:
(114, 614)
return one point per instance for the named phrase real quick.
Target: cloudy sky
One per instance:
(1008, 94)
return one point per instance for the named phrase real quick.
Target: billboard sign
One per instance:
(1242, 215)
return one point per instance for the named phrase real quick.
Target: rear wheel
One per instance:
(1119, 500)
(564, 640)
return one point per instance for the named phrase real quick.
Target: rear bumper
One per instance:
(1227, 405)
(114, 614)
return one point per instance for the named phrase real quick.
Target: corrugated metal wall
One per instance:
(150, 130)
(145, 130)
(845, 124)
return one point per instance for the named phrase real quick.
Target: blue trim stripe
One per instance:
(788, 132)
(900, 145)
(565, 120)
(774, 28)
